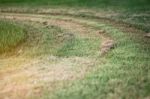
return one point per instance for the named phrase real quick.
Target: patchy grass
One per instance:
(53, 40)
(133, 12)
(45, 40)
(80, 47)
(10, 35)
(123, 73)
(30, 76)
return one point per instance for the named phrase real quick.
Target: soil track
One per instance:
(32, 75)
(23, 77)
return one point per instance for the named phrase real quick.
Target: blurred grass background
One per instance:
(128, 4)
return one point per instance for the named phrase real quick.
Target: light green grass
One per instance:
(10, 35)
(42, 40)
(53, 40)
(80, 47)
(123, 73)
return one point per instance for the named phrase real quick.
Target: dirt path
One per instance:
(21, 77)
(36, 74)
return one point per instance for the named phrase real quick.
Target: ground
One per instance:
(76, 53)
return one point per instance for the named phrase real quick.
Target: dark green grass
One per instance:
(10, 35)
(131, 4)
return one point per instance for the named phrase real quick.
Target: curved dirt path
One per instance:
(31, 76)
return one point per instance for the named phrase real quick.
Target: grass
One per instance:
(44, 40)
(80, 47)
(47, 40)
(50, 41)
(84, 3)
(134, 12)
(10, 35)
(122, 73)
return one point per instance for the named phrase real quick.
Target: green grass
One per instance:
(134, 12)
(123, 73)
(44, 40)
(53, 40)
(80, 47)
(10, 35)
(82, 3)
